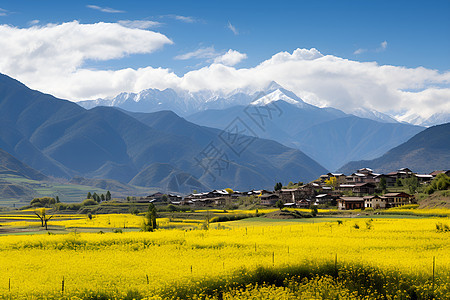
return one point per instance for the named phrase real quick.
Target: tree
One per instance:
(108, 196)
(333, 182)
(278, 186)
(102, 197)
(57, 199)
(280, 204)
(230, 191)
(96, 197)
(171, 207)
(412, 183)
(314, 210)
(164, 198)
(42, 214)
(89, 195)
(41, 202)
(382, 184)
(290, 184)
(150, 218)
(398, 182)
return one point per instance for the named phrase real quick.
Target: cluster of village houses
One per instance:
(363, 185)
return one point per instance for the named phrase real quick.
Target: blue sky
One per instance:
(417, 32)
(389, 56)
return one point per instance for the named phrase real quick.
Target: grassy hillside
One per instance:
(19, 191)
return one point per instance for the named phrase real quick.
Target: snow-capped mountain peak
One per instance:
(372, 114)
(277, 95)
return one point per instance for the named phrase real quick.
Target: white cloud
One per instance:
(185, 19)
(231, 58)
(383, 46)
(47, 56)
(3, 12)
(52, 59)
(201, 53)
(141, 24)
(232, 28)
(33, 22)
(105, 9)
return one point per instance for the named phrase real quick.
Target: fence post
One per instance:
(434, 264)
(62, 285)
(335, 265)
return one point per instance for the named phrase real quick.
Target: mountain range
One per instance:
(329, 136)
(186, 103)
(427, 151)
(61, 139)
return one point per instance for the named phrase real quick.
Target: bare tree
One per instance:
(42, 215)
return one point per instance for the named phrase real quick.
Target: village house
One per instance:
(269, 199)
(359, 189)
(375, 202)
(424, 178)
(402, 173)
(366, 188)
(340, 177)
(345, 203)
(303, 203)
(363, 175)
(435, 173)
(289, 195)
(390, 180)
(324, 199)
(397, 199)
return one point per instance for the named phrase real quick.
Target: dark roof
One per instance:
(352, 198)
(401, 194)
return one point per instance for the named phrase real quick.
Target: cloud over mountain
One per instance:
(53, 58)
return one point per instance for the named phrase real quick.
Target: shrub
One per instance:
(172, 207)
(44, 201)
(440, 227)
(134, 211)
(89, 202)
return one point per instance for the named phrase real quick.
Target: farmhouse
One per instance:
(375, 202)
(397, 199)
(269, 199)
(350, 203)
(289, 195)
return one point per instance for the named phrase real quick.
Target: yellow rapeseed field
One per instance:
(201, 263)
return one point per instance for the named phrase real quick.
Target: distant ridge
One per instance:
(425, 152)
(61, 139)
(9, 165)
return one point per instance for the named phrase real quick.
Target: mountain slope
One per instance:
(339, 141)
(9, 165)
(62, 139)
(425, 152)
(329, 136)
(262, 158)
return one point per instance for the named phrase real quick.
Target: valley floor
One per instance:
(347, 257)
